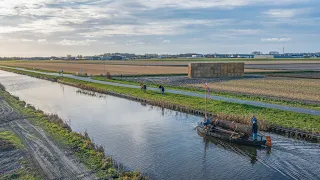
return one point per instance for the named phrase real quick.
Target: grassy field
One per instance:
(116, 68)
(11, 137)
(170, 62)
(238, 112)
(97, 69)
(305, 75)
(236, 95)
(307, 90)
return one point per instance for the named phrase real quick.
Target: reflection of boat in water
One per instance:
(233, 136)
(243, 150)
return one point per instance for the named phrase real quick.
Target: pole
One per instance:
(205, 110)
(105, 74)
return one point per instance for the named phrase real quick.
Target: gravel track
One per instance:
(54, 162)
(5, 109)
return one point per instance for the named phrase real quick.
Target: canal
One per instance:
(162, 143)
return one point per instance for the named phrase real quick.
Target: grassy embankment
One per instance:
(81, 145)
(224, 110)
(250, 97)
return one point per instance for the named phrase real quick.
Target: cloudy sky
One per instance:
(88, 27)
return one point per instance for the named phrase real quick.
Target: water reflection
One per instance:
(90, 93)
(246, 151)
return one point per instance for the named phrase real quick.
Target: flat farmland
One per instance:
(97, 69)
(307, 75)
(174, 62)
(305, 90)
(127, 67)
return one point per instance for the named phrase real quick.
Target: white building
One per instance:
(197, 56)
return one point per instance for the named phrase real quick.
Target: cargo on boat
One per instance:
(233, 136)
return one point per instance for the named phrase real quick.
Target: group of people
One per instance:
(143, 87)
(254, 126)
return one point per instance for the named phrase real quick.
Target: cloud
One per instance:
(150, 25)
(134, 42)
(42, 41)
(26, 40)
(173, 27)
(109, 43)
(11, 29)
(243, 31)
(276, 39)
(66, 42)
(286, 13)
(221, 4)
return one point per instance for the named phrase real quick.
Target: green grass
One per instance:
(223, 94)
(305, 122)
(21, 174)
(11, 137)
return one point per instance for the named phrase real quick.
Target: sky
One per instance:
(89, 27)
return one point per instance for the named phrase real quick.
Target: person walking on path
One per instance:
(161, 89)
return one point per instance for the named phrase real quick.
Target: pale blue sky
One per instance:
(87, 27)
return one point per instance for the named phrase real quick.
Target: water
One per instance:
(163, 143)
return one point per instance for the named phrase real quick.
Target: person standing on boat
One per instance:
(254, 130)
(206, 121)
(254, 119)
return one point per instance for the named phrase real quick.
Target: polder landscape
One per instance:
(94, 122)
(159, 90)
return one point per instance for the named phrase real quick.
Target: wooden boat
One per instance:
(234, 137)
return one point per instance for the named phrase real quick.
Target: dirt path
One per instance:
(51, 161)
(54, 162)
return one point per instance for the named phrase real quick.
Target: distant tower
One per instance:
(283, 50)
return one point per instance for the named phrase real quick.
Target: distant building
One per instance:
(274, 53)
(256, 52)
(263, 56)
(116, 57)
(69, 57)
(197, 56)
(245, 56)
(93, 57)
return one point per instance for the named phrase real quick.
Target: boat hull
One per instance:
(238, 139)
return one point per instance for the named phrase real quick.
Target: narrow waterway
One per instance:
(163, 143)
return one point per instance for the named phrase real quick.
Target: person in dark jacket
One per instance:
(254, 119)
(254, 130)
(161, 89)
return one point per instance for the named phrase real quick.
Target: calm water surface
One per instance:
(163, 143)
